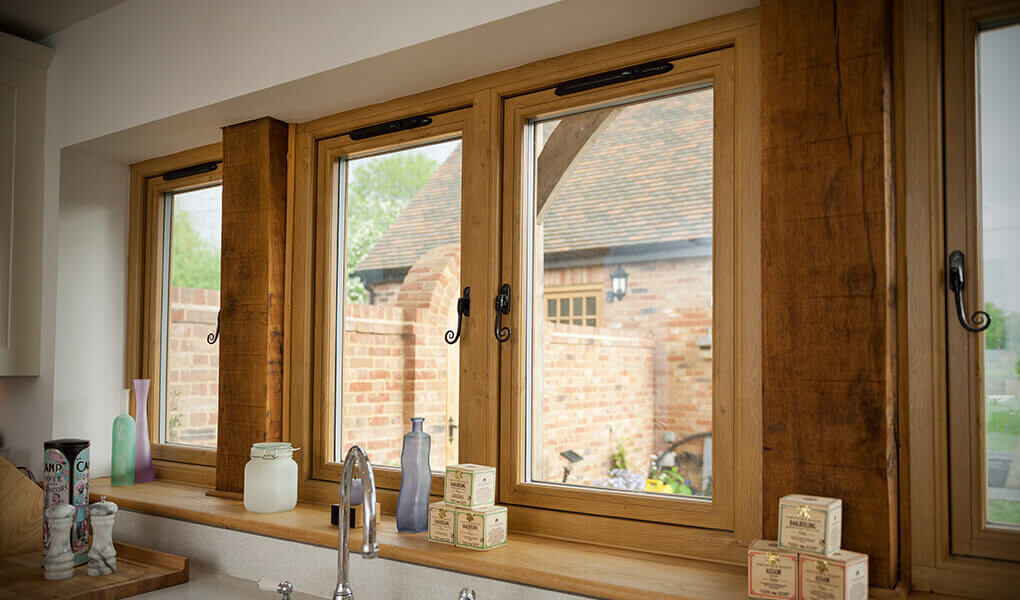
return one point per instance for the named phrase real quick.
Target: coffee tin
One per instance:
(66, 481)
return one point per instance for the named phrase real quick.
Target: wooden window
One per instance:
(391, 221)
(174, 268)
(982, 125)
(575, 305)
(628, 126)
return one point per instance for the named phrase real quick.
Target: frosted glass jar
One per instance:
(270, 478)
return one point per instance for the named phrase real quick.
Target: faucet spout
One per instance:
(356, 457)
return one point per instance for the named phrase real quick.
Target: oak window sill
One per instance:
(526, 559)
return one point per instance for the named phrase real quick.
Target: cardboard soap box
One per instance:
(470, 486)
(482, 528)
(442, 523)
(843, 575)
(810, 524)
(771, 571)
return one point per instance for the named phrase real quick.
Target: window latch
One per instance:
(502, 308)
(463, 310)
(980, 318)
(212, 337)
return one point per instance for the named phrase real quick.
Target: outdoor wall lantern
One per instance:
(618, 279)
(704, 344)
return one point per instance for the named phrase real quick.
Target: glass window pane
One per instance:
(999, 147)
(564, 306)
(402, 256)
(628, 406)
(189, 399)
(551, 308)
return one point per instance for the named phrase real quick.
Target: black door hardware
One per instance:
(463, 310)
(502, 308)
(956, 284)
(451, 425)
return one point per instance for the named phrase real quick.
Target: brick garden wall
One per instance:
(193, 367)
(598, 392)
(640, 374)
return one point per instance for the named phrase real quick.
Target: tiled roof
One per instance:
(647, 178)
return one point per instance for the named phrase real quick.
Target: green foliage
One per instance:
(1003, 421)
(196, 260)
(377, 190)
(675, 480)
(619, 460)
(995, 335)
(1004, 511)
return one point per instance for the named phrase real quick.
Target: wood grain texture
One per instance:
(252, 305)
(21, 515)
(828, 294)
(138, 571)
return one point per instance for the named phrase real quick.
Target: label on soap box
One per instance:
(842, 576)
(771, 571)
(442, 521)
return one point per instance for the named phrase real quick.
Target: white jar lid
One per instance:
(272, 450)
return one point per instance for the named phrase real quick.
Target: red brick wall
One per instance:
(192, 367)
(598, 392)
(671, 301)
(398, 365)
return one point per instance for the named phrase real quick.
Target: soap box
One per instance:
(810, 523)
(482, 528)
(472, 486)
(442, 523)
(843, 575)
(771, 571)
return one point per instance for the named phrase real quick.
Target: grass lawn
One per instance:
(1004, 511)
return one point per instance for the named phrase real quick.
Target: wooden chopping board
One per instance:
(138, 571)
(21, 513)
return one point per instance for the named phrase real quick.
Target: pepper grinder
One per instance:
(59, 560)
(102, 558)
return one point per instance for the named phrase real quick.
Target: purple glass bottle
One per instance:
(415, 479)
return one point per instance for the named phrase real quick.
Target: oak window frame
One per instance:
(330, 152)
(148, 191)
(721, 538)
(714, 70)
(923, 31)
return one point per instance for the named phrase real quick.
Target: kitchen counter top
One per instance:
(205, 584)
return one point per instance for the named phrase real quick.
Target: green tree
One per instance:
(378, 189)
(195, 260)
(995, 335)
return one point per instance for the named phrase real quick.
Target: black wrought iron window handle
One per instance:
(463, 310)
(980, 319)
(212, 337)
(502, 308)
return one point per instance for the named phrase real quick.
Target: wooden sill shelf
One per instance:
(557, 565)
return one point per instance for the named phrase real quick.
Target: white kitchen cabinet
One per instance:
(23, 67)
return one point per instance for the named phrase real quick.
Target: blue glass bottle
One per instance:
(415, 478)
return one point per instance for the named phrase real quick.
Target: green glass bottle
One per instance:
(122, 468)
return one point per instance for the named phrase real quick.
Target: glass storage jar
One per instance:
(270, 478)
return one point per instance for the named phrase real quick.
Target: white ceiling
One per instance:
(38, 19)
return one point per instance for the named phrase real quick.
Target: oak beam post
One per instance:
(828, 268)
(251, 313)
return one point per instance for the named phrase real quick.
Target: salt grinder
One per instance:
(59, 560)
(102, 557)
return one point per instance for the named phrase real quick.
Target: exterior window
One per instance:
(625, 257)
(574, 305)
(401, 256)
(627, 406)
(189, 370)
(983, 223)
